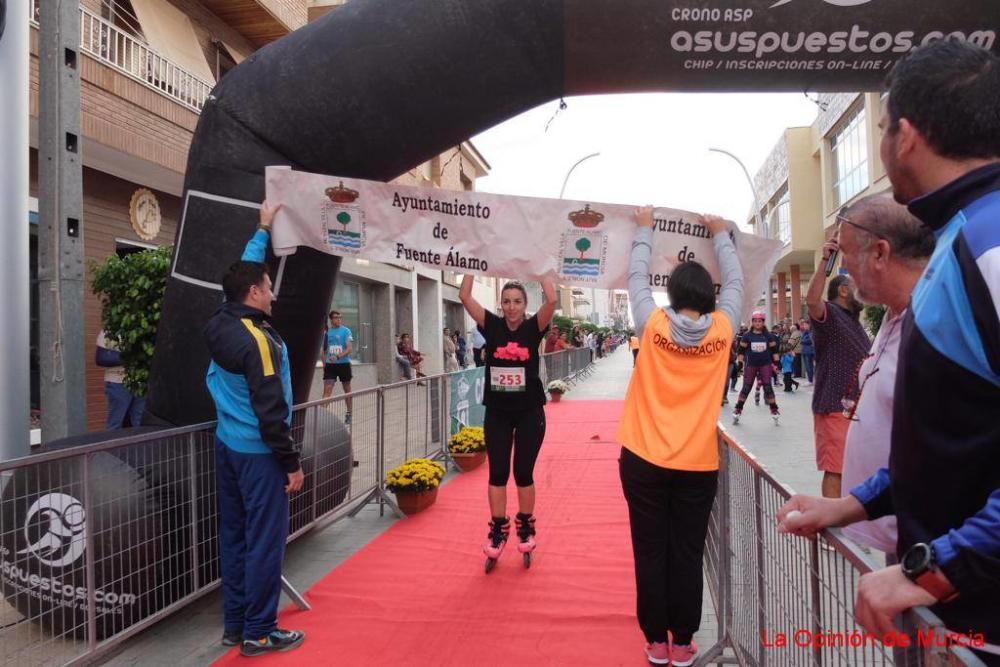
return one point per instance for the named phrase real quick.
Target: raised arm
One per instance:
(640, 296)
(473, 307)
(731, 296)
(256, 248)
(814, 294)
(548, 308)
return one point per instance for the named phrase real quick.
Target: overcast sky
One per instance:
(654, 148)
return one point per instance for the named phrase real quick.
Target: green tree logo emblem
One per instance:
(344, 218)
(583, 245)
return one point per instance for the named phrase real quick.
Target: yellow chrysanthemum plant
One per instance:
(469, 440)
(415, 475)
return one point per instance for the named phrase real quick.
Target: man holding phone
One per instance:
(841, 344)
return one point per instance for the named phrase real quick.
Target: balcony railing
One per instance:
(118, 49)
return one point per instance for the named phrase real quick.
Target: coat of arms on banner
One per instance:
(582, 253)
(343, 220)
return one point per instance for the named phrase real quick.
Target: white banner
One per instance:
(527, 238)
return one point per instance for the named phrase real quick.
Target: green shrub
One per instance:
(131, 291)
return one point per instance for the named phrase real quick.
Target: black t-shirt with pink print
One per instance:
(512, 381)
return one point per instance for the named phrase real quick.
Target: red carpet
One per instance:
(417, 595)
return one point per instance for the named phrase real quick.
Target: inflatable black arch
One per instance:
(378, 86)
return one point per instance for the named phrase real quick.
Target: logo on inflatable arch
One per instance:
(343, 220)
(583, 251)
(54, 529)
(837, 3)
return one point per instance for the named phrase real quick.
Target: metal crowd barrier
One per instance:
(99, 542)
(786, 600)
(570, 365)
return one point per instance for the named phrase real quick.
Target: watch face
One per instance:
(916, 559)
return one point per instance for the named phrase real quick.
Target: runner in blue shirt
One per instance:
(337, 356)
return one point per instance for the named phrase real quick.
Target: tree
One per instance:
(344, 218)
(583, 245)
(873, 319)
(131, 291)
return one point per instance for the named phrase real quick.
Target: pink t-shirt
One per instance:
(867, 447)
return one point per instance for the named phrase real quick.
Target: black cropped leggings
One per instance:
(520, 430)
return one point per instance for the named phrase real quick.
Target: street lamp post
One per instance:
(562, 191)
(761, 225)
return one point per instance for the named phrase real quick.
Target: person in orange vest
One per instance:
(669, 462)
(633, 344)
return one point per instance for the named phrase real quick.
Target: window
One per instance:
(354, 301)
(849, 148)
(782, 218)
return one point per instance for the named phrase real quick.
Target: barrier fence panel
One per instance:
(786, 600)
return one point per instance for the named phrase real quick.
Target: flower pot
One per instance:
(556, 396)
(411, 502)
(469, 461)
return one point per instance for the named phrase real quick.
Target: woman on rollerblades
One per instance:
(514, 400)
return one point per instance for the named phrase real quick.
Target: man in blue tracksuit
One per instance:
(941, 150)
(256, 463)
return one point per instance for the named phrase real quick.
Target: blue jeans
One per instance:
(121, 402)
(253, 526)
(808, 359)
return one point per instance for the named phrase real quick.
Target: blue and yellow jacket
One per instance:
(943, 480)
(249, 377)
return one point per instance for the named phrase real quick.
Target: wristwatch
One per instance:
(918, 566)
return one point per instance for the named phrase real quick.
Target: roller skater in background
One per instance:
(515, 414)
(759, 352)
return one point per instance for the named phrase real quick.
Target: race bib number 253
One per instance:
(507, 379)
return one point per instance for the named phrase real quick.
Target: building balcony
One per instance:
(260, 21)
(121, 51)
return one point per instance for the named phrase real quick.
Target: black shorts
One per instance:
(334, 372)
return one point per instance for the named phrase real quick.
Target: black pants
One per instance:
(522, 430)
(789, 382)
(668, 512)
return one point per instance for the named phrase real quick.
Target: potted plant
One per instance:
(556, 389)
(415, 484)
(468, 447)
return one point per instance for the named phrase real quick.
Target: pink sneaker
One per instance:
(682, 656)
(658, 653)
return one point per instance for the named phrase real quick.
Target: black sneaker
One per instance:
(231, 638)
(277, 640)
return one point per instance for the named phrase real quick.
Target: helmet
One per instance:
(757, 315)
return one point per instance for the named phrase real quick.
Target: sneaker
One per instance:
(682, 656)
(231, 638)
(277, 640)
(775, 416)
(347, 418)
(736, 416)
(658, 653)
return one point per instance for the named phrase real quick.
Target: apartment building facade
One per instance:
(809, 175)
(146, 68)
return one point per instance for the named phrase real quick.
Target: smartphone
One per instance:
(831, 262)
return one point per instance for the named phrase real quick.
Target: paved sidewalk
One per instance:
(191, 636)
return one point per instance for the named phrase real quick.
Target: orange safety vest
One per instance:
(675, 396)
